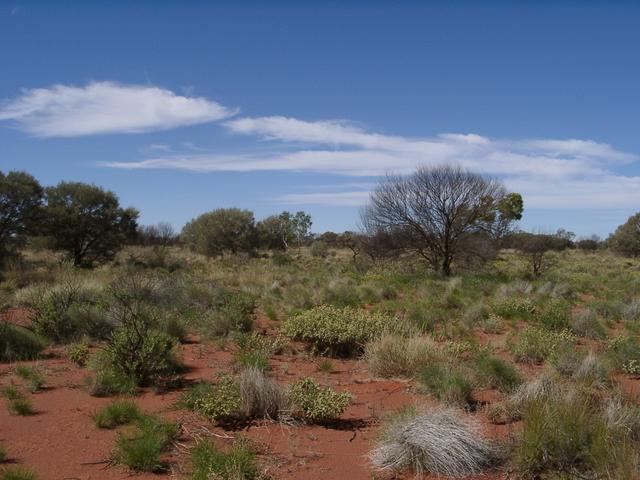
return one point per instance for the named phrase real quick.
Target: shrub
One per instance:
(31, 376)
(221, 401)
(585, 323)
(10, 392)
(21, 406)
(437, 442)
(513, 307)
(208, 462)
(232, 313)
(555, 315)
(447, 383)
(494, 372)
(142, 449)
(317, 404)
(3, 454)
(118, 413)
(568, 434)
(536, 344)
(319, 248)
(78, 353)
(396, 356)
(18, 473)
(108, 380)
(18, 343)
(624, 352)
(341, 331)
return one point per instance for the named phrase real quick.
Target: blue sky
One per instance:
(183, 107)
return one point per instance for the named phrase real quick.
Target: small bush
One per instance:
(220, 401)
(21, 406)
(446, 383)
(18, 343)
(207, 462)
(142, 449)
(317, 404)
(32, 377)
(78, 353)
(121, 412)
(340, 331)
(624, 352)
(494, 372)
(513, 307)
(555, 315)
(585, 323)
(108, 380)
(396, 356)
(19, 473)
(535, 344)
(10, 392)
(437, 442)
(3, 454)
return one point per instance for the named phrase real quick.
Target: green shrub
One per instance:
(585, 323)
(208, 462)
(221, 402)
(233, 312)
(32, 377)
(21, 406)
(18, 473)
(514, 307)
(118, 413)
(568, 434)
(536, 344)
(107, 380)
(555, 314)
(494, 372)
(78, 353)
(624, 352)
(10, 392)
(3, 454)
(340, 331)
(317, 404)
(447, 383)
(142, 449)
(18, 343)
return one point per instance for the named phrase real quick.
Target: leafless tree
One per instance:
(442, 212)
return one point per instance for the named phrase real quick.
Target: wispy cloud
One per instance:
(106, 107)
(571, 173)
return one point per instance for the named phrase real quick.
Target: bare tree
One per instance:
(442, 212)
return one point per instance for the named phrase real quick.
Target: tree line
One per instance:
(445, 215)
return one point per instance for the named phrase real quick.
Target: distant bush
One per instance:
(78, 353)
(513, 307)
(626, 239)
(535, 344)
(233, 312)
(437, 442)
(340, 331)
(396, 356)
(319, 248)
(18, 343)
(317, 404)
(555, 315)
(208, 462)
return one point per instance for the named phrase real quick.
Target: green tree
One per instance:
(20, 208)
(87, 221)
(626, 239)
(279, 231)
(224, 229)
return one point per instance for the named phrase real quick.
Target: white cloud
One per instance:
(106, 107)
(550, 173)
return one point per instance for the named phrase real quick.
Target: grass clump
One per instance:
(18, 473)
(568, 434)
(585, 323)
(317, 404)
(337, 331)
(21, 406)
(438, 442)
(494, 372)
(3, 454)
(514, 307)
(121, 412)
(142, 449)
(18, 343)
(32, 376)
(536, 344)
(447, 383)
(260, 397)
(396, 356)
(555, 314)
(208, 462)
